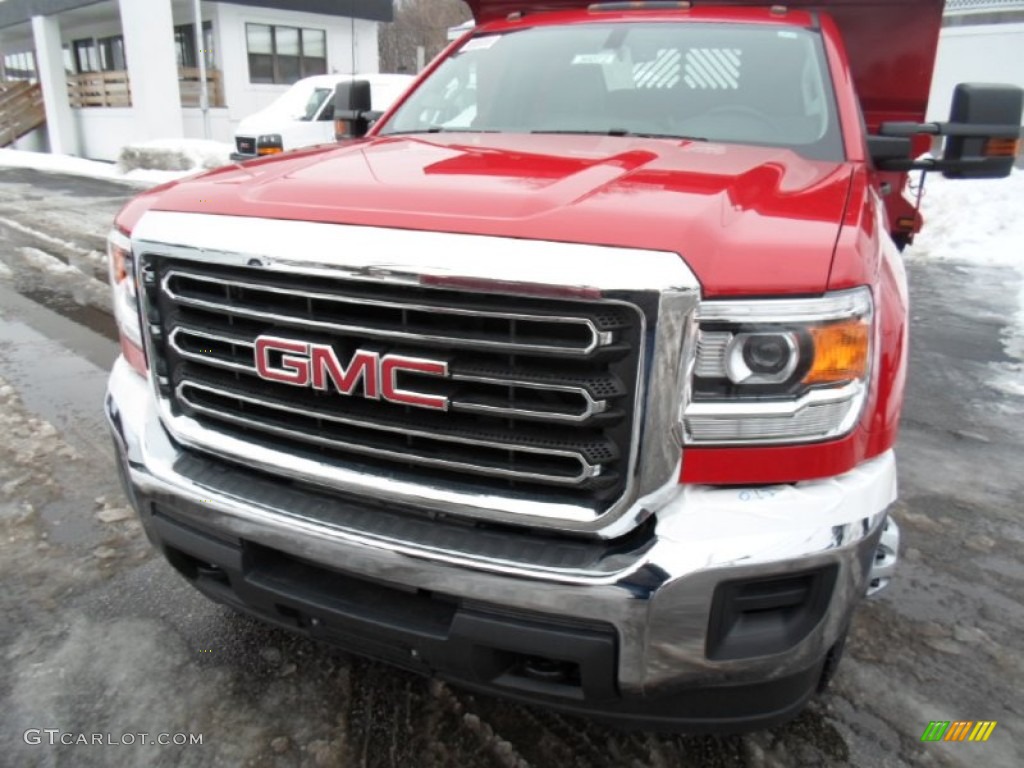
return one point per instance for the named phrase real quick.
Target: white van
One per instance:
(304, 114)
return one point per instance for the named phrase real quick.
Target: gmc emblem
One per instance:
(301, 364)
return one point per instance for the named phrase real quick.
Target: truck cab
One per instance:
(575, 377)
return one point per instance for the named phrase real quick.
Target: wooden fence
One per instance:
(112, 89)
(99, 89)
(190, 87)
(21, 109)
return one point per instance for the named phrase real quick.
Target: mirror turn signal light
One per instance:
(1001, 148)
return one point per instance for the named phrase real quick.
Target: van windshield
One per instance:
(300, 102)
(742, 83)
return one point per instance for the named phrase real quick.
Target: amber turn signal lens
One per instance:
(1001, 148)
(343, 129)
(840, 352)
(269, 151)
(118, 267)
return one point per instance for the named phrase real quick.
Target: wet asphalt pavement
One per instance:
(100, 635)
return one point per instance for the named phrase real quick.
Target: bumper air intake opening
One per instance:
(767, 616)
(539, 674)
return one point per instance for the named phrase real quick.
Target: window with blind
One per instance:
(285, 54)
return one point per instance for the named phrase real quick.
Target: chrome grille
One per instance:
(542, 391)
(246, 145)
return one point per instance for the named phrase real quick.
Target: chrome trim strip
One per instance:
(659, 284)
(887, 557)
(588, 470)
(671, 359)
(359, 330)
(591, 407)
(839, 305)
(755, 410)
(215, 362)
(438, 496)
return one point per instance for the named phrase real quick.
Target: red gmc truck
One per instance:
(573, 378)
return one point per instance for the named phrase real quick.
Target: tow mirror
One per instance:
(982, 136)
(885, 150)
(983, 131)
(351, 109)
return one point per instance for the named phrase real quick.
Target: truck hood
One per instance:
(748, 220)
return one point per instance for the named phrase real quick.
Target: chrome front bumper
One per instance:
(659, 601)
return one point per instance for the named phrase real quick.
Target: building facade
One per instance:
(982, 41)
(115, 72)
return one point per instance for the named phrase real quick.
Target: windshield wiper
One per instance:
(622, 132)
(441, 129)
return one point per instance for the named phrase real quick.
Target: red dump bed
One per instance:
(890, 43)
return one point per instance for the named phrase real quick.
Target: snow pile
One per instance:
(77, 166)
(149, 162)
(174, 155)
(975, 221)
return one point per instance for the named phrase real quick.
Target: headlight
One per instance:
(780, 370)
(269, 144)
(761, 357)
(126, 298)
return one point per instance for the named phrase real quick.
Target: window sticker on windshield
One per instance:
(604, 57)
(787, 34)
(480, 43)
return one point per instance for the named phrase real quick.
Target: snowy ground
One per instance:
(144, 164)
(980, 223)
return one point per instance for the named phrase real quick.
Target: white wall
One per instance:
(243, 97)
(152, 67)
(986, 53)
(52, 80)
(33, 141)
(221, 127)
(102, 131)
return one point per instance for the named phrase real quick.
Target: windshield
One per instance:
(718, 82)
(300, 102)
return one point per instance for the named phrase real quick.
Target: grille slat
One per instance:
(255, 420)
(372, 317)
(540, 393)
